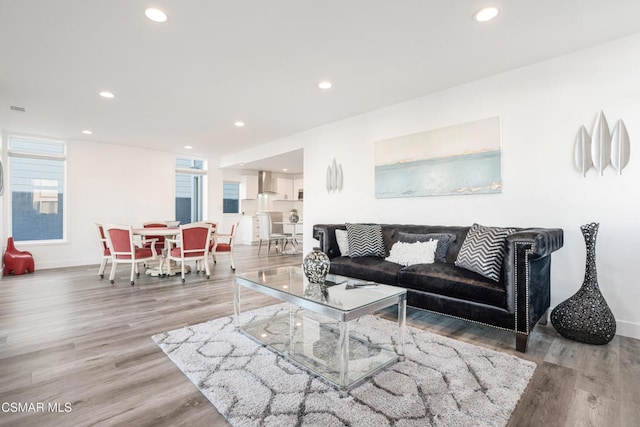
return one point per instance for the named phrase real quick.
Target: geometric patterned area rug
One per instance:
(441, 382)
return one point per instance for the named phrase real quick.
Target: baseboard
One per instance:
(628, 329)
(86, 262)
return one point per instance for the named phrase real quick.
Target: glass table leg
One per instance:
(236, 305)
(402, 322)
(344, 355)
(292, 327)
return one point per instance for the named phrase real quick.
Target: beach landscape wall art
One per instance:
(455, 160)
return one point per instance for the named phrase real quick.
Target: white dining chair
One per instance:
(266, 233)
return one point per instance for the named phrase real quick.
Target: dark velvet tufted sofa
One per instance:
(516, 302)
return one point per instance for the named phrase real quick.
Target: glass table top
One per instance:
(333, 294)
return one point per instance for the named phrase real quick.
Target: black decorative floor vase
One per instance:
(586, 317)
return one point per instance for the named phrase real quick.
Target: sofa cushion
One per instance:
(365, 240)
(343, 242)
(454, 282)
(483, 250)
(413, 253)
(390, 234)
(366, 268)
(443, 242)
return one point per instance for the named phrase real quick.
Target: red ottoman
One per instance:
(15, 261)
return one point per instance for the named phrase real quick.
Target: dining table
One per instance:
(168, 233)
(294, 242)
(166, 268)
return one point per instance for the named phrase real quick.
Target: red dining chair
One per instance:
(104, 249)
(214, 225)
(193, 245)
(224, 245)
(214, 228)
(146, 242)
(124, 250)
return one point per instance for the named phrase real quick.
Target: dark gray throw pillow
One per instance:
(483, 250)
(443, 241)
(365, 240)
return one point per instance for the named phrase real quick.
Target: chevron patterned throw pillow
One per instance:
(483, 250)
(365, 240)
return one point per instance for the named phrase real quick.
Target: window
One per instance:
(37, 181)
(230, 197)
(190, 176)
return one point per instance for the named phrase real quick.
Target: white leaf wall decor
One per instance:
(334, 177)
(620, 147)
(582, 151)
(601, 144)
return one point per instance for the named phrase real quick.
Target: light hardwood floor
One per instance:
(68, 338)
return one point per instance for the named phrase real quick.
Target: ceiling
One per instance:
(290, 163)
(214, 62)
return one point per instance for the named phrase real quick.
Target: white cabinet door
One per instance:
(284, 188)
(250, 187)
(249, 230)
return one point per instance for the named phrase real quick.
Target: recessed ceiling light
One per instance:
(325, 85)
(87, 132)
(156, 15)
(487, 13)
(285, 169)
(188, 147)
(106, 94)
(239, 124)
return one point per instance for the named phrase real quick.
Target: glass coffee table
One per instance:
(315, 331)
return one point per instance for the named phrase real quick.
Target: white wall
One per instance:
(542, 107)
(213, 191)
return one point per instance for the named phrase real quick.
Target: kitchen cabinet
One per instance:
(249, 230)
(284, 188)
(250, 188)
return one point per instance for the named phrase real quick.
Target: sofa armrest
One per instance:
(326, 236)
(527, 273)
(544, 240)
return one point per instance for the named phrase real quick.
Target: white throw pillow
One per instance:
(343, 242)
(413, 253)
